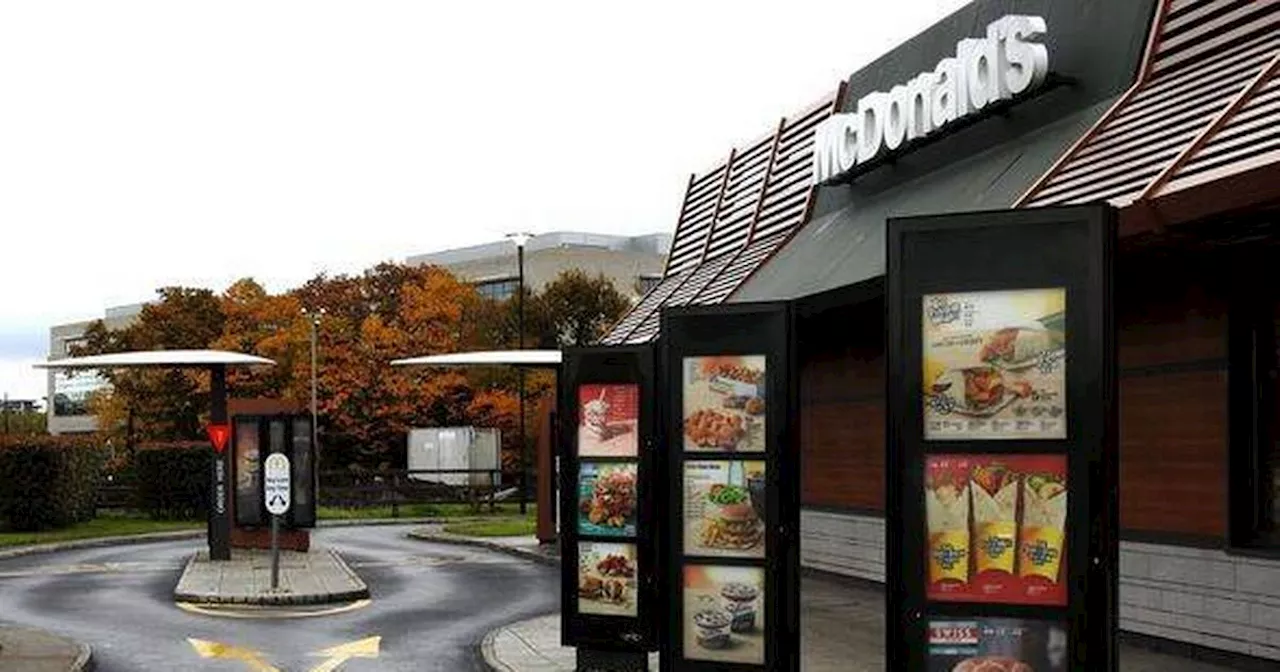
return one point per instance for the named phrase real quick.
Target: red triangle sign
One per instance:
(219, 434)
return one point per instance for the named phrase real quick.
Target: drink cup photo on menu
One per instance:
(996, 528)
(607, 499)
(608, 420)
(724, 614)
(724, 508)
(607, 579)
(995, 365)
(724, 404)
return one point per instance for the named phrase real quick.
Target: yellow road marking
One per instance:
(337, 655)
(253, 659)
(246, 611)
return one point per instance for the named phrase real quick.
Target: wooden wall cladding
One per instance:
(1173, 453)
(1171, 321)
(842, 408)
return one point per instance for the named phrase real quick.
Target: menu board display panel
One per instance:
(724, 404)
(995, 365)
(607, 499)
(724, 508)
(996, 645)
(724, 614)
(996, 528)
(607, 578)
(608, 421)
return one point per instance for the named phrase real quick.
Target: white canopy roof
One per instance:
(486, 358)
(174, 358)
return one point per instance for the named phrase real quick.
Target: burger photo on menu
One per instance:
(724, 512)
(724, 403)
(608, 420)
(723, 613)
(995, 365)
(996, 645)
(607, 579)
(996, 528)
(607, 499)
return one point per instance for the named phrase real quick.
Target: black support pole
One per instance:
(524, 444)
(219, 520)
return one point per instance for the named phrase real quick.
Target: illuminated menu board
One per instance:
(1001, 453)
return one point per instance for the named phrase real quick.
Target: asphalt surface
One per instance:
(430, 606)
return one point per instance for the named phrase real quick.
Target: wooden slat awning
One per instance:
(733, 218)
(1205, 106)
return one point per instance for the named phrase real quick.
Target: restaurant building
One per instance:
(1165, 109)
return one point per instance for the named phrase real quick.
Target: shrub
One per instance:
(48, 481)
(173, 479)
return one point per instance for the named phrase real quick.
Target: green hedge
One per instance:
(173, 479)
(48, 481)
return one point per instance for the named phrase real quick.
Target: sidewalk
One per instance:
(316, 577)
(841, 626)
(28, 650)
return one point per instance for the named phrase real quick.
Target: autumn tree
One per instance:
(166, 404)
(576, 309)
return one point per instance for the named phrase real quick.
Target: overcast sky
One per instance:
(145, 144)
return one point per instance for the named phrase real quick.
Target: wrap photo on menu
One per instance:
(995, 517)
(996, 527)
(994, 365)
(947, 520)
(1044, 526)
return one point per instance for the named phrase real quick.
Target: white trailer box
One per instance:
(454, 448)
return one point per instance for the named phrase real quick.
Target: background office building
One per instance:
(69, 392)
(634, 264)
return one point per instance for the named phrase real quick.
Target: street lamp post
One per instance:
(520, 239)
(315, 432)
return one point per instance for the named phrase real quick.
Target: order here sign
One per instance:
(276, 484)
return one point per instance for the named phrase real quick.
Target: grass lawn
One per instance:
(510, 526)
(421, 511)
(105, 525)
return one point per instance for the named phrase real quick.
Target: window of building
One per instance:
(72, 392)
(1255, 418)
(498, 290)
(647, 282)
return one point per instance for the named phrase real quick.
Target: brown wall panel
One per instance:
(842, 463)
(1173, 453)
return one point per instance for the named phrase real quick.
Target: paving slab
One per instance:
(318, 576)
(524, 546)
(30, 650)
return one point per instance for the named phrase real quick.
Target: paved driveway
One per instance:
(431, 605)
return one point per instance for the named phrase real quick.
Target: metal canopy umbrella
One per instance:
(525, 358)
(216, 361)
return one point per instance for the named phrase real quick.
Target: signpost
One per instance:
(275, 491)
(219, 512)
(1001, 465)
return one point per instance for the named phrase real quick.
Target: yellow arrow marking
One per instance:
(337, 655)
(251, 658)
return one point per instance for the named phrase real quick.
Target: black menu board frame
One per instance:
(624, 365)
(756, 334)
(1003, 251)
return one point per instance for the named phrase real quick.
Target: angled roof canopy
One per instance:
(170, 358)
(733, 218)
(543, 358)
(1206, 106)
